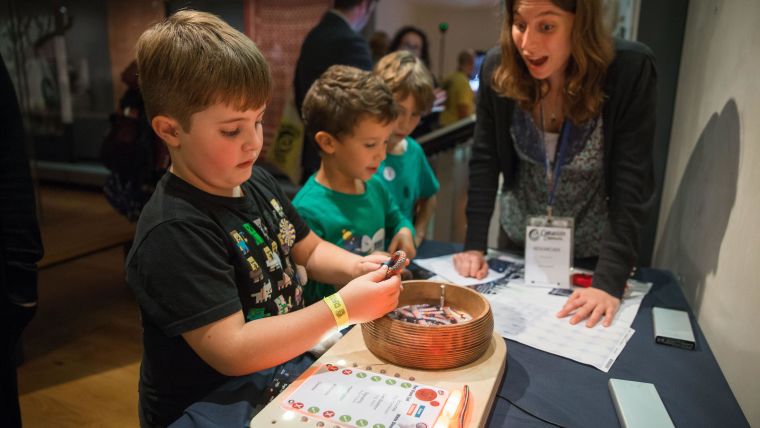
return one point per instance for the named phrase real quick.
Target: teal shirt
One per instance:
(360, 224)
(408, 177)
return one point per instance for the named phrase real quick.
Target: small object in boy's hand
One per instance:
(395, 264)
(582, 279)
(498, 265)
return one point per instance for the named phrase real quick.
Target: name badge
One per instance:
(549, 251)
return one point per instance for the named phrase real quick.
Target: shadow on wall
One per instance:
(698, 218)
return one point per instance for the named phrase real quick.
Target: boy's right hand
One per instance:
(371, 296)
(471, 263)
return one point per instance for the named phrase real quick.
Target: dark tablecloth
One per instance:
(562, 391)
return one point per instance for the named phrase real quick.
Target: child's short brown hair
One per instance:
(342, 96)
(407, 75)
(193, 60)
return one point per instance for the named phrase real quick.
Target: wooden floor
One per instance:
(82, 350)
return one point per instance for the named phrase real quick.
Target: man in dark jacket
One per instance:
(335, 40)
(20, 245)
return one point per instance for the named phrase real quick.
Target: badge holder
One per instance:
(549, 251)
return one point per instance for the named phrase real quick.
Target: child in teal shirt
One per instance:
(405, 172)
(351, 113)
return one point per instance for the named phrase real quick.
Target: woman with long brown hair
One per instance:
(567, 115)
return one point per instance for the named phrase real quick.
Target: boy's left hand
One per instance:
(418, 240)
(369, 263)
(403, 241)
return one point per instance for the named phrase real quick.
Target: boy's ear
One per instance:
(167, 129)
(326, 142)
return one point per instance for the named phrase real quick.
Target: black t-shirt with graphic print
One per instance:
(198, 258)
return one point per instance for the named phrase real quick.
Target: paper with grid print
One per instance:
(527, 314)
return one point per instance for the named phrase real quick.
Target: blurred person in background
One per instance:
(334, 41)
(460, 100)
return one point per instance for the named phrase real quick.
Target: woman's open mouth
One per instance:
(537, 62)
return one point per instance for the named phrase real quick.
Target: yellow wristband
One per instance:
(338, 309)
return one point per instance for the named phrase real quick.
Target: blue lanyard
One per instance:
(552, 177)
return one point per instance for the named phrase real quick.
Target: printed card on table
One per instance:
(352, 397)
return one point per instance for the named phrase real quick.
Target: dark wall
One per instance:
(661, 27)
(87, 41)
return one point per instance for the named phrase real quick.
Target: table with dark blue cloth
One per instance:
(541, 389)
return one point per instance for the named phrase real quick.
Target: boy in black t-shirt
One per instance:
(216, 256)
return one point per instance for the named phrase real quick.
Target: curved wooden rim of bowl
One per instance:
(413, 294)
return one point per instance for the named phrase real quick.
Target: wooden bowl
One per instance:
(432, 347)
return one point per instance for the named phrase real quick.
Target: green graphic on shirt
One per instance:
(361, 423)
(406, 385)
(345, 418)
(255, 313)
(361, 375)
(282, 306)
(375, 378)
(256, 237)
(378, 426)
(313, 409)
(390, 382)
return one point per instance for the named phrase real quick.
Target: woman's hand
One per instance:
(371, 296)
(403, 241)
(471, 263)
(591, 303)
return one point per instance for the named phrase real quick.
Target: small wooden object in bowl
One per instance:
(432, 346)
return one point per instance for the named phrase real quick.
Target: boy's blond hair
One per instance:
(342, 96)
(193, 60)
(407, 75)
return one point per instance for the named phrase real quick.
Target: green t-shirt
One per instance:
(360, 224)
(408, 177)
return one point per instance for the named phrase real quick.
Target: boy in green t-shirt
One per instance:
(350, 113)
(406, 172)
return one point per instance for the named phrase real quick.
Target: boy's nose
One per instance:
(249, 144)
(253, 140)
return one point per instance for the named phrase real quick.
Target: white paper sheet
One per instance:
(527, 314)
(443, 267)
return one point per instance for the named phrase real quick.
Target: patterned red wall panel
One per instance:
(278, 28)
